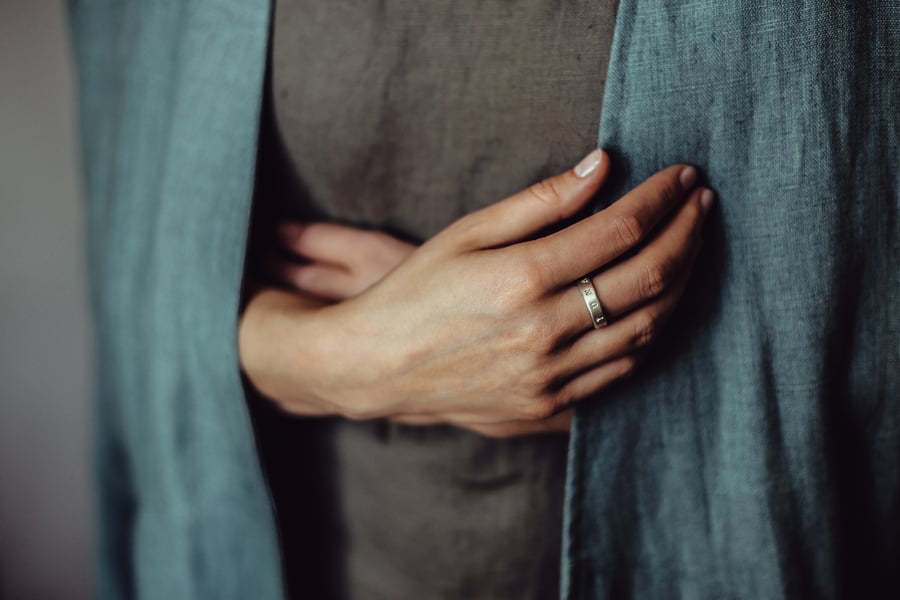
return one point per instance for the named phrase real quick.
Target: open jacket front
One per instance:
(757, 455)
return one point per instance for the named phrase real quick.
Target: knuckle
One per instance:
(548, 192)
(645, 330)
(536, 340)
(531, 279)
(533, 276)
(629, 229)
(656, 278)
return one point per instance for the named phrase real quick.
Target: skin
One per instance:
(479, 327)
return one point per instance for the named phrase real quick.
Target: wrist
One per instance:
(276, 350)
(346, 363)
(309, 358)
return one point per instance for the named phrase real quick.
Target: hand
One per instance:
(481, 325)
(344, 261)
(341, 262)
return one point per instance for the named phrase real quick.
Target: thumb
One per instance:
(541, 204)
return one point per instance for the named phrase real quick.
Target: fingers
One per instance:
(646, 275)
(344, 261)
(596, 379)
(586, 246)
(626, 336)
(340, 245)
(319, 279)
(322, 242)
(525, 213)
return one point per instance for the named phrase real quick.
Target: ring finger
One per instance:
(643, 277)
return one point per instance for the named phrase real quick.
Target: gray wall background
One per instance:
(45, 356)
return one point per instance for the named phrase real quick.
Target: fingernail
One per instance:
(590, 162)
(706, 200)
(687, 177)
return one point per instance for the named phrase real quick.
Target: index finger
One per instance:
(595, 241)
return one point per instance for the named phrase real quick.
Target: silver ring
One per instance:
(589, 294)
